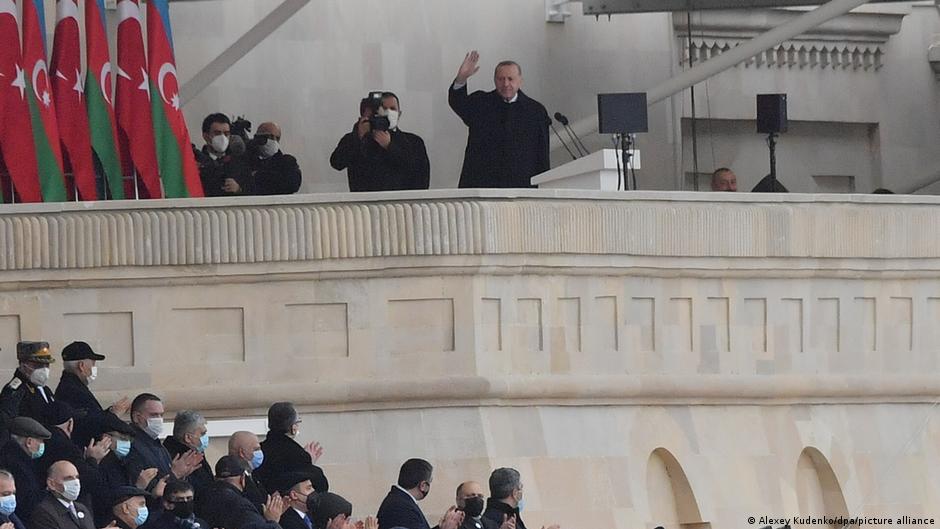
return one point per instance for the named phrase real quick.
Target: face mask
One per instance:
(269, 148)
(40, 376)
(220, 143)
(154, 426)
(142, 515)
(183, 509)
(521, 504)
(473, 506)
(122, 448)
(40, 452)
(8, 504)
(203, 443)
(257, 457)
(393, 116)
(71, 489)
(94, 374)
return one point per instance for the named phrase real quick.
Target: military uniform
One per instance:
(20, 397)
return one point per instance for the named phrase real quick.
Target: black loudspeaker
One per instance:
(771, 113)
(622, 113)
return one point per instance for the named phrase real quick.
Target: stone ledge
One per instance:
(569, 390)
(314, 228)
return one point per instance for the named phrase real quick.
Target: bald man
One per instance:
(59, 509)
(246, 447)
(271, 171)
(470, 500)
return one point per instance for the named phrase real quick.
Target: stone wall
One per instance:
(642, 358)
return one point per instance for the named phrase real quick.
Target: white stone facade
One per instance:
(780, 350)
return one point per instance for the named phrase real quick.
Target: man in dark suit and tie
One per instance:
(400, 507)
(59, 510)
(295, 488)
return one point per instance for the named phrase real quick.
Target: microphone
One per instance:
(561, 118)
(573, 157)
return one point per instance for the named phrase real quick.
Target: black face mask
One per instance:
(183, 509)
(473, 506)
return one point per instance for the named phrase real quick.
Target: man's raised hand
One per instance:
(468, 67)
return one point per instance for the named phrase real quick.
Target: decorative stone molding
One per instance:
(854, 41)
(316, 228)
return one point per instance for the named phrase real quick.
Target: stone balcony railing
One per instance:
(462, 297)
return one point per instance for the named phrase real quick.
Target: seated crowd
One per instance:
(67, 462)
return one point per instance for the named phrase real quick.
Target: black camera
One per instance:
(374, 102)
(241, 127)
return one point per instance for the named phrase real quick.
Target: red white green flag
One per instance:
(135, 126)
(16, 137)
(178, 167)
(99, 97)
(41, 105)
(68, 93)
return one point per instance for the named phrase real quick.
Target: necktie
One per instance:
(73, 513)
(307, 521)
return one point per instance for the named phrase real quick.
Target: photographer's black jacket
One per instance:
(404, 165)
(214, 171)
(277, 175)
(508, 142)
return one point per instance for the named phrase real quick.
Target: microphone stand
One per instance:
(772, 145)
(552, 125)
(626, 153)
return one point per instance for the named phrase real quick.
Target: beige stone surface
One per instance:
(781, 351)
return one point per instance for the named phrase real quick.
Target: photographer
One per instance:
(377, 154)
(222, 165)
(271, 171)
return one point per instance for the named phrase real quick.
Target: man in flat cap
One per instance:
(18, 455)
(129, 507)
(294, 487)
(79, 370)
(26, 393)
(177, 506)
(60, 421)
(224, 505)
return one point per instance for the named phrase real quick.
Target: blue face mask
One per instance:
(257, 457)
(40, 452)
(203, 443)
(521, 504)
(142, 515)
(8, 504)
(122, 448)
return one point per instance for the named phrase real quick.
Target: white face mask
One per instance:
(393, 116)
(154, 426)
(219, 143)
(94, 374)
(269, 149)
(39, 376)
(71, 489)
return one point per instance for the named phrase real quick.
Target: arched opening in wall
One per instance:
(672, 502)
(817, 489)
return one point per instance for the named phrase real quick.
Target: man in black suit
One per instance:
(505, 502)
(60, 508)
(79, 370)
(224, 505)
(282, 453)
(400, 507)
(508, 139)
(177, 509)
(295, 488)
(19, 455)
(8, 500)
(190, 434)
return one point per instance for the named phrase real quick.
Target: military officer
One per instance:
(26, 394)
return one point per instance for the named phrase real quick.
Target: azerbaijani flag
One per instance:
(178, 167)
(16, 137)
(68, 94)
(99, 98)
(41, 107)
